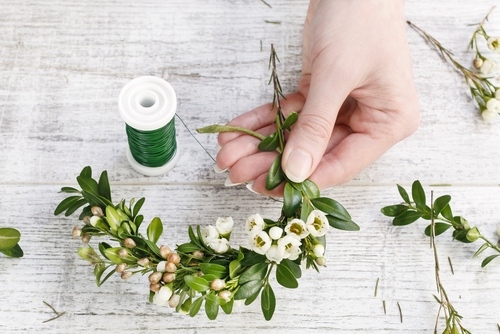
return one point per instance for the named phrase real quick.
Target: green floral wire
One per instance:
(152, 148)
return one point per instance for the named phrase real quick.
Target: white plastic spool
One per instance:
(148, 103)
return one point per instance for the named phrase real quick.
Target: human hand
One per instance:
(355, 99)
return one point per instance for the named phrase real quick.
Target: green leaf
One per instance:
(138, 206)
(250, 257)
(94, 199)
(406, 218)
(310, 189)
(69, 190)
(393, 210)
(461, 235)
(228, 306)
(88, 184)
(196, 283)
(418, 194)
(290, 120)
(103, 185)
(187, 248)
(255, 272)
(65, 204)
(86, 171)
(270, 143)
(293, 267)
(85, 212)
(87, 253)
(447, 213)
(112, 217)
(112, 254)
(331, 207)
(234, 268)
(248, 289)
(214, 269)
(285, 277)
(14, 252)
(268, 302)
(195, 306)
(155, 230)
(275, 175)
(403, 194)
(75, 206)
(9, 237)
(306, 210)
(153, 247)
(440, 203)
(211, 306)
(253, 297)
(99, 270)
(341, 224)
(488, 260)
(292, 198)
(481, 249)
(439, 228)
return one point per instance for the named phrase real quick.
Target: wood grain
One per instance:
(62, 65)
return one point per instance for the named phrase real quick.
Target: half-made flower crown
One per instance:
(207, 270)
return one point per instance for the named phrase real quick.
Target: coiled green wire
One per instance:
(152, 148)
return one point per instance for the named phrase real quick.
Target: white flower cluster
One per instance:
(492, 107)
(217, 237)
(278, 244)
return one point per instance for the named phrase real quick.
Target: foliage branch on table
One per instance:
(9, 242)
(207, 270)
(484, 91)
(442, 219)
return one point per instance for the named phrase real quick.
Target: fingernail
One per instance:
(298, 165)
(219, 170)
(250, 187)
(229, 183)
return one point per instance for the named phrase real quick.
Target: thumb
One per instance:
(309, 138)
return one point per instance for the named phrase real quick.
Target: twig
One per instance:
(383, 304)
(58, 314)
(265, 3)
(400, 312)
(376, 287)
(451, 266)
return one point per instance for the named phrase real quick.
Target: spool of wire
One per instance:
(147, 105)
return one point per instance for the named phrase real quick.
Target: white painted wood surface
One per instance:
(62, 65)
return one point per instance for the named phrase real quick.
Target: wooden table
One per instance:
(62, 65)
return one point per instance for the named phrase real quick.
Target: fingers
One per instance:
(312, 132)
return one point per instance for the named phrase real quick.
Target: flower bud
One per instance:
(319, 250)
(174, 300)
(477, 63)
(76, 232)
(168, 277)
(217, 284)
(120, 268)
(155, 287)
(143, 262)
(86, 220)
(96, 211)
(122, 252)
(165, 251)
(225, 294)
(174, 258)
(126, 274)
(161, 266)
(170, 267)
(473, 234)
(94, 220)
(86, 238)
(275, 232)
(320, 261)
(129, 243)
(198, 255)
(155, 277)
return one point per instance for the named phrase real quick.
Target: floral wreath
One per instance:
(207, 270)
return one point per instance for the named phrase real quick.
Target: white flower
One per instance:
(224, 225)
(275, 232)
(488, 115)
(161, 266)
(209, 233)
(254, 223)
(319, 250)
(492, 110)
(297, 227)
(497, 94)
(317, 224)
(289, 245)
(494, 44)
(260, 242)
(162, 297)
(488, 66)
(219, 245)
(275, 254)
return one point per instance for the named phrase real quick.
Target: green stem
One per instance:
(492, 245)
(216, 128)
